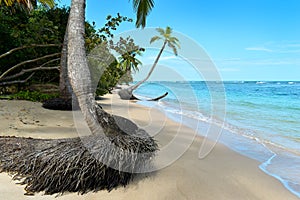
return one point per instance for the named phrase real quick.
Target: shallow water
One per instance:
(262, 119)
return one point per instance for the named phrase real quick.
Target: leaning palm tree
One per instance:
(168, 39)
(75, 53)
(78, 69)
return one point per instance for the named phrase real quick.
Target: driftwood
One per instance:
(154, 99)
(89, 163)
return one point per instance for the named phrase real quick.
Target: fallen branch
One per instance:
(33, 69)
(160, 97)
(154, 99)
(26, 62)
(17, 81)
(28, 46)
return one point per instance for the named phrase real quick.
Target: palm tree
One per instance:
(128, 50)
(128, 61)
(78, 69)
(168, 39)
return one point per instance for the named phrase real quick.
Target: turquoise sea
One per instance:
(262, 119)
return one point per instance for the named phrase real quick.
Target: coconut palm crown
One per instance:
(142, 9)
(171, 41)
(166, 36)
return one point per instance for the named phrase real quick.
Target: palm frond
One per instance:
(135, 65)
(166, 35)
(7, 2)
(49, 3)
(174, 41)
(173, 47)
(161, 31)
(153, 39)
(168, 30)
(139, 52)
(119, 65)
(142, 9)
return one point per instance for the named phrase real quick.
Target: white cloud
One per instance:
(258, 49)
(277, 47)
(231, 59)
(168, 58)
(151, 59)
(229, 70)
(263, 62)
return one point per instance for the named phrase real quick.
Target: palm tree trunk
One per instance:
(64, 82)
(152, 68)
(78, 69)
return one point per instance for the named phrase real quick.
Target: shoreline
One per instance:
(223, 174)
(253, 148)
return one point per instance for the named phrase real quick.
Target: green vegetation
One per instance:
(37, 34)
(32, 96)
(31, 49)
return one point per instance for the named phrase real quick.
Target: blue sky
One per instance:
(246, 39)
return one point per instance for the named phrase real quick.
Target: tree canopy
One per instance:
(40, 33)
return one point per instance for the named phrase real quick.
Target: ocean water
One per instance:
(260, 120)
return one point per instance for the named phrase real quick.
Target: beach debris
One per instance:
(147, 99)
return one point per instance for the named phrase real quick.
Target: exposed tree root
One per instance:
(89, 163)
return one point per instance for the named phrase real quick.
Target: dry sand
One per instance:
(223, 174)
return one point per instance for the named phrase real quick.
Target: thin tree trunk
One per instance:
(152, 68)
(78, 69)
(126, 94)
(65, 88)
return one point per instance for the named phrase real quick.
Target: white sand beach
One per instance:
(223, 174)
